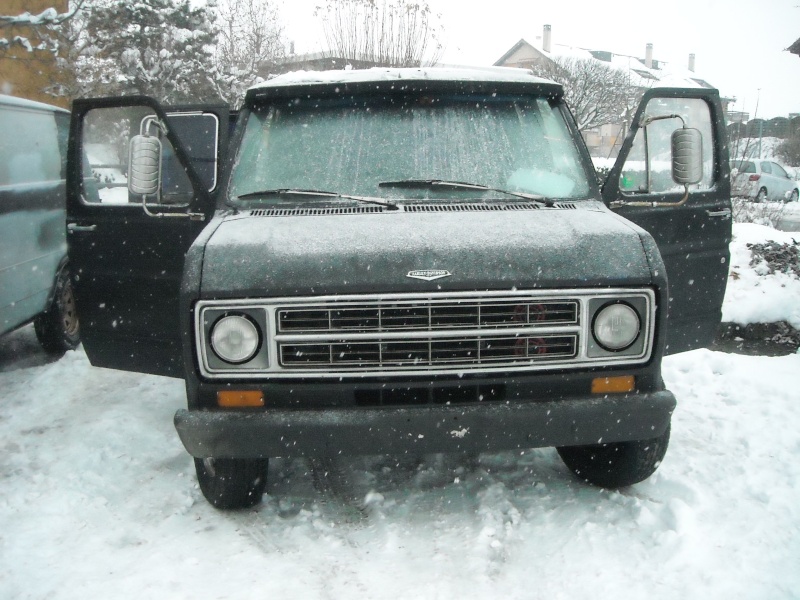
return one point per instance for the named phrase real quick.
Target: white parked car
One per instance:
(763, 180)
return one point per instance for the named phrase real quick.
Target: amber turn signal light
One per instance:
(240, 398)
(613, 385)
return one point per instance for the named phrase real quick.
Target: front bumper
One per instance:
(424, 429)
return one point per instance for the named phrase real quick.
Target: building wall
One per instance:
(27, 74)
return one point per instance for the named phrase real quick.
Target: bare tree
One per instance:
(39, 26)
(250, 37)
(598, 94)
(391, 33)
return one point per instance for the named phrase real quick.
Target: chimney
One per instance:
(547, 39)
(648, 56)
(691, 63)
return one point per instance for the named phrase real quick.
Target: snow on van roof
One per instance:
(23, 103)
(477, 74)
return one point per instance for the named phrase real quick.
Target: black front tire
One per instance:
(618, 464)
(57, 328)
(229, 483)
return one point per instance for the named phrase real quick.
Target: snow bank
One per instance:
(753, 295)
(99, 500)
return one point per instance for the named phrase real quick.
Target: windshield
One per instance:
(352, 146)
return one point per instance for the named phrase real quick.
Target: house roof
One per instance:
(662, 74)
(511, 51)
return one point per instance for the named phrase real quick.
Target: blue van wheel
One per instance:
(57, 328)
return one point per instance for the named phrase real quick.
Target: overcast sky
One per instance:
(739, 44)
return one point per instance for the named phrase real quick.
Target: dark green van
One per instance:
(34, 281)
(401, 261)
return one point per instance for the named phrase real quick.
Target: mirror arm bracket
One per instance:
(653, 204)
(180, 215)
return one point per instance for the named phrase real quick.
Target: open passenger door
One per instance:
(128, 231)
(690, 223)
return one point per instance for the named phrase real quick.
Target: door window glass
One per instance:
(778, 171)
(197, 132)
(106, 140)
(648, 167)
(766, 168)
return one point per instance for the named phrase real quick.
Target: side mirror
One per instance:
(687, 156)
(144, 165)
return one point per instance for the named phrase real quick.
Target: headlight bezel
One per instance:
(241, 318)
(209, 316)
(629, 311)
(641, 345)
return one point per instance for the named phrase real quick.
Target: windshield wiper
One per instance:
(461, 185)
(319, 193)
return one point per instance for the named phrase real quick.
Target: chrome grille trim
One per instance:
(433, 316)
(463, 340)
(360, 355)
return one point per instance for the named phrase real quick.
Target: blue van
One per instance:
(34, 277)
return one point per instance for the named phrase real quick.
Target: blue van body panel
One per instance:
(33, 244)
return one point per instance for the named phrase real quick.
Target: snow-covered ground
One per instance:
(753, 297)
(98, 500)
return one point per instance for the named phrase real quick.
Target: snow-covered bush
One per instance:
(761, 213)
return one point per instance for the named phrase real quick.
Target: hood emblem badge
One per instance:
(429, 274)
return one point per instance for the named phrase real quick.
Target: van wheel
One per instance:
(616, 465)
(232, 482)
(793, 197)
(57, 328)
(761, 196)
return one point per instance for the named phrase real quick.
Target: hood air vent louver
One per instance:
(311, 212)
(412, 208)
(468, 207)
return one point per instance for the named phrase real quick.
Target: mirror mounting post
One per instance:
(144, 168)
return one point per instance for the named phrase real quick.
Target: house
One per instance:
(27, 70)
(643, 73)
(315, 61)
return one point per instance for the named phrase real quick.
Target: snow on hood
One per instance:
(329, 254)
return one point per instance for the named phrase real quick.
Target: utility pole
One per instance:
(760, 124)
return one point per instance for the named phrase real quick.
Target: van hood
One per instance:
(275, 253)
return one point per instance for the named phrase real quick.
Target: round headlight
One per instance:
(616, 326)
(235, 339)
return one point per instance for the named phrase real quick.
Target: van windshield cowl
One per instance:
(350, 146)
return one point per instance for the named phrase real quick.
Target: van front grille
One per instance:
(428, 353)
(426, 316)
(426, 334)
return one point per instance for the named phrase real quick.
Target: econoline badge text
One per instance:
(429, 274)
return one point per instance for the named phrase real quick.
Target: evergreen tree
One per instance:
(161, 48)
